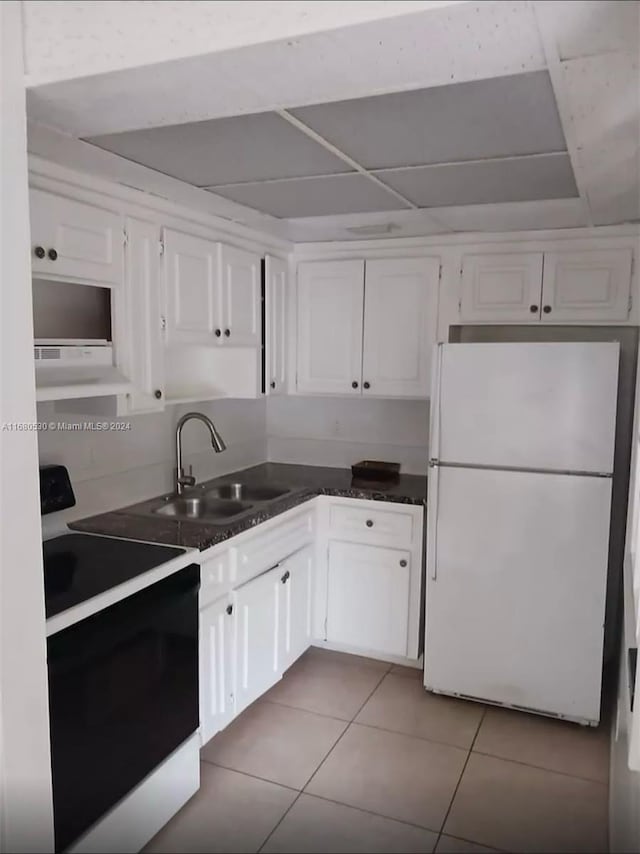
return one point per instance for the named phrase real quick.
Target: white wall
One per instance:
(326, 431)
(25, 767)
(112, 469)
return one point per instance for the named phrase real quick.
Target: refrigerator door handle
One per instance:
(432, 521)
(436, 384)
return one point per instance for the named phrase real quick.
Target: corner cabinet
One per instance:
(546, 287)
(369, 581)
(367, 328)
(74, 241)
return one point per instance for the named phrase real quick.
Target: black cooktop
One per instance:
(80, 566)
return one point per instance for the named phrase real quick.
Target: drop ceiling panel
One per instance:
(514, 216)
(483, 118)
(322, 196)
(485, 182)
(224, 151)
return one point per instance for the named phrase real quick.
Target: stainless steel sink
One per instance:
(215, 504)
(245, 491)
(203, 507)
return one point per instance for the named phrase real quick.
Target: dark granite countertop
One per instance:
(305, 481)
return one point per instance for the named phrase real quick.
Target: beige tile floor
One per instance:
(347, 754)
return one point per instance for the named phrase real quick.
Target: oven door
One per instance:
(123, 695)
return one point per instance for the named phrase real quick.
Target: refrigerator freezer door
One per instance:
(549, 406)
(515, 613)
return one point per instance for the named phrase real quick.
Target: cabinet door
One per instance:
(295, 613)
(240, 297)
(400, 317)
(501, 288)
(257, 656)
(276, 325)
(191, 285)
(330, 308)
(368, 597)
(144, 352)
(216, 668)
(86, 242)
(588, 285)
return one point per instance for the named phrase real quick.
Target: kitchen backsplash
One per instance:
(113, 468)
(324, 431)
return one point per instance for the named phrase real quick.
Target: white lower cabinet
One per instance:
(341, 571)
(257, 630)
(368, 597)
(217, 707)
(368, 578)
(295, 609)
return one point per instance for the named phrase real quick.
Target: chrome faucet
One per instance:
(217, 443)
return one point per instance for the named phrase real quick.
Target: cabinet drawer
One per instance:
(373, 525)
(215, 574)
(264, 550)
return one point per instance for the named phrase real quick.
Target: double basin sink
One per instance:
(218, 504)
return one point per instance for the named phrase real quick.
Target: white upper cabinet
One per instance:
(295, 617)
(588, 285)
(276, 325)
(501, 288)
(239, 305)
(367, 329)
(192, 279)
(400, 318)
(330, 313)
(74, 240)
(144, 361)
(553, 287)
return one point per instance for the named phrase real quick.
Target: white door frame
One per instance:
(26, 811)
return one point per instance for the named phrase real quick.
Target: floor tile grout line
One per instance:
(308, 711)
(464, 768)
(372, 812)
(413, 735)
(253, 776)
(540, 768)
(280, 820)
(349, 724)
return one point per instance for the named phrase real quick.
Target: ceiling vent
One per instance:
(373, 230)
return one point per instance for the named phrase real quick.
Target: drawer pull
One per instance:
(369, 523)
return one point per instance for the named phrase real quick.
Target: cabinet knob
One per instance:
(354, 384)
(52, 254)
(39, 252)
(369, 523)
(273, 383)
(366, 385)
(218, 333)
(157, 394)
(227, 333)
(547, 309)
(533, 309)
(403, 562)
(285, 577)
(229, 609)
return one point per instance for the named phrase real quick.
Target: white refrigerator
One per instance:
(519, 503)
